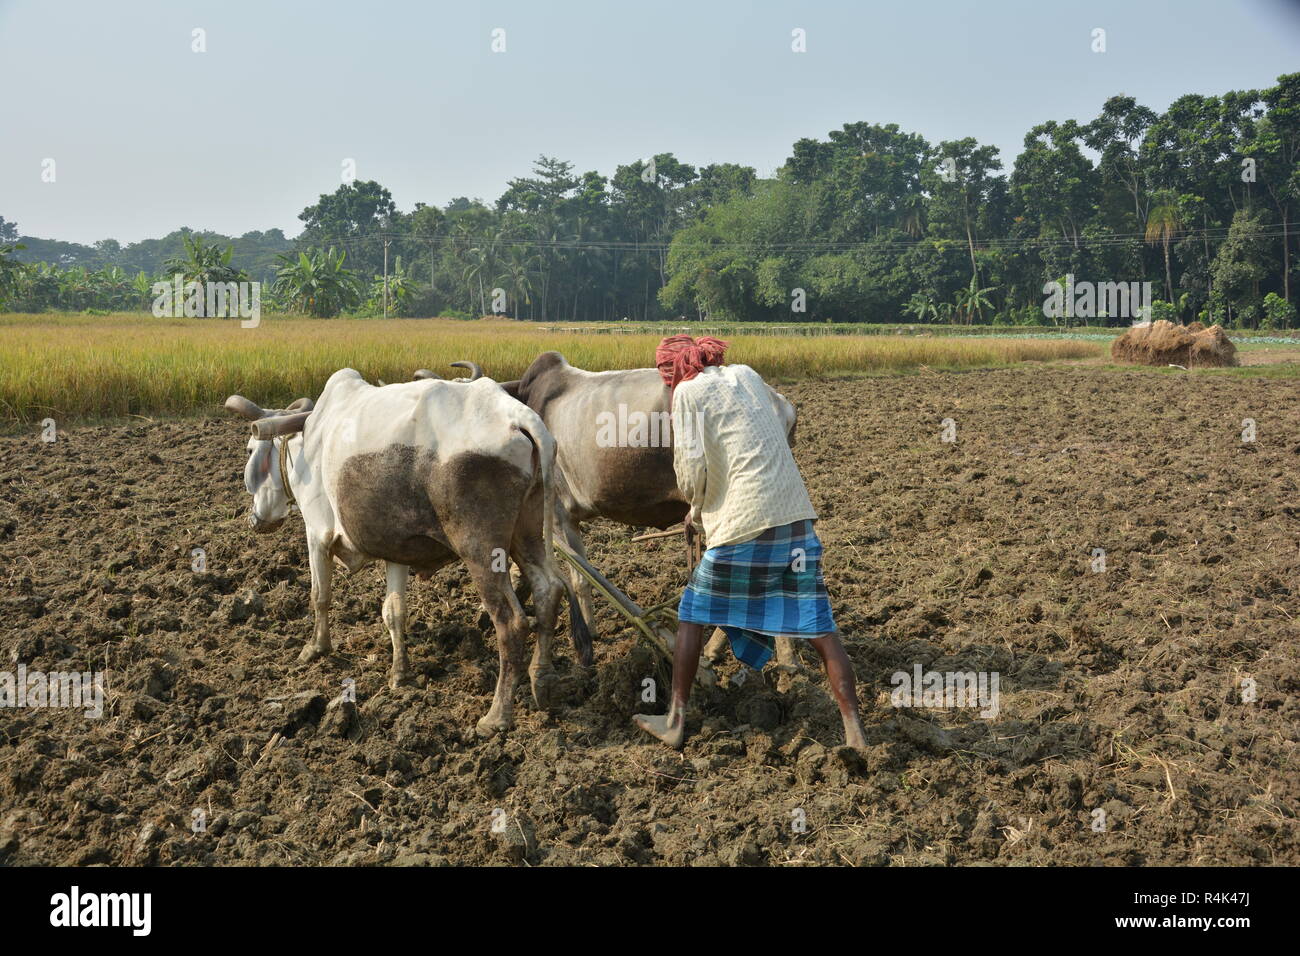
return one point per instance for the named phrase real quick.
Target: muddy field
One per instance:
(1160, 691)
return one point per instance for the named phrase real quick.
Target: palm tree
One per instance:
(517, 279)
(112, 288)
(204, 262)
(922, 306)
(1163, 222)
(318, 285)
(141, 291)
(400, 285)
(972, 300)
(474, 274)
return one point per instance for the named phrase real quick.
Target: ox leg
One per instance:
(717, 646)
(395, 618)
(787, 658)
(522, 585)
(582, 611)
(546, 587)
(322, 591)
(511, 627)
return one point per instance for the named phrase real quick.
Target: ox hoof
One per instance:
(309, 654)
(544, 687)
(490, 726)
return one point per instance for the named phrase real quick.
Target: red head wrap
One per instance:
(680, 358)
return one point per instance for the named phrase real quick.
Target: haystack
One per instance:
(1165, 343)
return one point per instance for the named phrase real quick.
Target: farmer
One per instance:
(761, 576)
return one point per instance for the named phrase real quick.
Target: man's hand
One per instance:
(693, 519)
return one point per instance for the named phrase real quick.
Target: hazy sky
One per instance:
(148, 135)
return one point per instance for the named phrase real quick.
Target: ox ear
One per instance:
(267, 428)
(425, 373)
(301, 405)
(242, 406)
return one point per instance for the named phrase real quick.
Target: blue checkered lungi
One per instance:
(756, 590)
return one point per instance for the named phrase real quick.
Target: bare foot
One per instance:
(669, 728)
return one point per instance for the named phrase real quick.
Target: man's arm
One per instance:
(688, 452)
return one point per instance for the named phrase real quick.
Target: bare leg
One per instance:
(322, 579)
(395, 618)
(671, 728)
(839, 673)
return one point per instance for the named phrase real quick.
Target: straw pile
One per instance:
(1165, 343)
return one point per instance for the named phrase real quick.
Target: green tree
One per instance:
(1163, 223)
(972, 301)
(202, 261)
(354, 216)
(317, 285)
(11, 270)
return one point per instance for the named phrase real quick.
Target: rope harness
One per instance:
(285, 464)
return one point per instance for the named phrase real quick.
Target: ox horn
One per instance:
(426, 373)
(242, 406)
(268, 428)
(474, 371)
(301, 405)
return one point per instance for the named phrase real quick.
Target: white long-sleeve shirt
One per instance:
(731, 456)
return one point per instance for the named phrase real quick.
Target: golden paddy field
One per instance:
(100, 367)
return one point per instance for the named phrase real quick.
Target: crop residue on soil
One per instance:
(1123, 736)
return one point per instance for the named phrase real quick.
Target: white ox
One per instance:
(417, 475)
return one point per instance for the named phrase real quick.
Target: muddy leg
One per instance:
(581, 587)
(671, 727)
(787, 658)
(546, 589)
(839, 673)
(511, 627)
(716, 649)
(395, 618)
(523, 587)
(322, 578)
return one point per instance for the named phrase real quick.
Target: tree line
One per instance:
(872, 223)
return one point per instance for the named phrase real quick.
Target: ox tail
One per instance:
(530, 423)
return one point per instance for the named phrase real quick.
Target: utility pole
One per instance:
(385, 278)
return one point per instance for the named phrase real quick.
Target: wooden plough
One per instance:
(658, 624)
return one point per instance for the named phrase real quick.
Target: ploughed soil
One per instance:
(1148, 712)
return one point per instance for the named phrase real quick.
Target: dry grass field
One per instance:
(97, 367)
